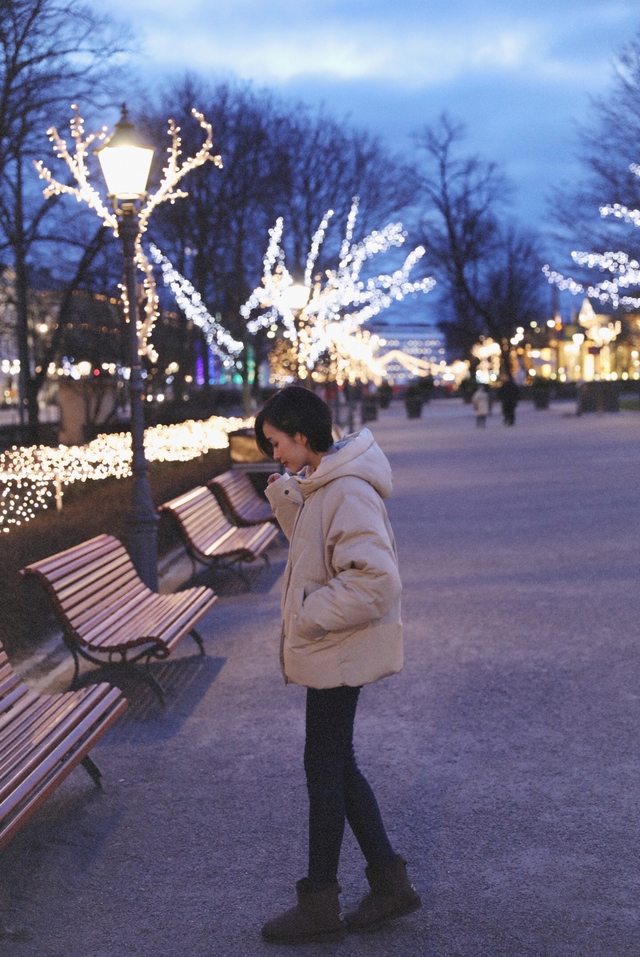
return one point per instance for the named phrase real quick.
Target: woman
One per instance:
(341, 630)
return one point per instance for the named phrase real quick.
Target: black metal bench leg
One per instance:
(92, 770)
(241, 574)
(235, 568)
(198, 640)
(153, 683)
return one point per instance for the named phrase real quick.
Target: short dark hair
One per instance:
(294, 410)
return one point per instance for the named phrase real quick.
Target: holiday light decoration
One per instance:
(218, 338)
(440, 371)
(337, 305)
(625, 272)
(31, 476)
(168, 191)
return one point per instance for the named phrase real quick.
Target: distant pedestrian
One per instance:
(341, 630)
(509, 395)
(480, 403)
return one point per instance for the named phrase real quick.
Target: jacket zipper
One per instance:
(286, 589)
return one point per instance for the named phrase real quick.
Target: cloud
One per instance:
(408, 42)
(413, 58)
(518, 74)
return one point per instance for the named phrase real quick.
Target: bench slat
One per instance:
(62, 732)
(208, 534)
(34, 790)
(93, 577)
(191, 614)
(14, 703)
(42, 739)
(237, 494)
(23, 738)
(64, 564)
(23, 715)
(8, 683)
(140, 628)
(143, 623)
(117, 601)
(104, 606)
(18, 725)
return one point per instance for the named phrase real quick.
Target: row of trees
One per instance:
(50, 50)
(280, 159)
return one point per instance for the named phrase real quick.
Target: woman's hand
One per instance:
(273, 478)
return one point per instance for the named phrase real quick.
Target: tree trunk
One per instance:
(27, 388)
(505, 359)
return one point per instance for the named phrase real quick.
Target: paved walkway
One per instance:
(505, 756)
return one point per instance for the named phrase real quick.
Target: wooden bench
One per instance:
(210, 539)
(43, 737)
(239, 498)
(108, 615)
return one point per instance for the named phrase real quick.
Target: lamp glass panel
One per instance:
(126, 170)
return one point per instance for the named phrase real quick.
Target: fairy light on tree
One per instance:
(189, 300)
(168, 191)
(337, 304)
(126, 160)
(623, 269)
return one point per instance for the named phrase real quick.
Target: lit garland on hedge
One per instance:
(167, 191)
(28, 474)
(625, 271)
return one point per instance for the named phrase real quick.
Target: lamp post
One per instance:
(125, 161)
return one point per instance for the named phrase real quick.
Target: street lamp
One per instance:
(125, 161)
(295, 297)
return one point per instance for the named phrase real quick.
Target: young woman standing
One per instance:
(341, 630)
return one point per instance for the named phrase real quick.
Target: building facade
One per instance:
(416, 341)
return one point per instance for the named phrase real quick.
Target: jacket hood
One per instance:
(357, 455)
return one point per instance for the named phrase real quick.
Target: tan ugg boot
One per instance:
(316, 917)
(392, 895)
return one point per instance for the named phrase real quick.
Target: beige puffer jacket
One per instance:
(341, 592)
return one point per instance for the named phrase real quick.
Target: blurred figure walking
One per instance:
(509, 394)
(480, 403)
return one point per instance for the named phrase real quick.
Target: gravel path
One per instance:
(504, 757)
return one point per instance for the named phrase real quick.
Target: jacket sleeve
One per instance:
(362, 555)
(286, 499)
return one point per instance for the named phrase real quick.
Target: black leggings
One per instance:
(337, 788)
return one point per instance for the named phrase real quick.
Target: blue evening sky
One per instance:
(520, 75)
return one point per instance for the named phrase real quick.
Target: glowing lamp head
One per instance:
(296, 296)
(125, 160)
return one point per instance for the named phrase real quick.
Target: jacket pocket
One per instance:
(309, 587)
(306, 627)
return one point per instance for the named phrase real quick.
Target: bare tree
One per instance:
(279, 159)
(608, 143)
(489, 270)
(324, 164)
(217, 234)
(51, 51)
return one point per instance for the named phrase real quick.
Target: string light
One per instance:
(167, 191)
(337, 306)
(625, 271)
(219, 339)
(275, 279)
(28, 474)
